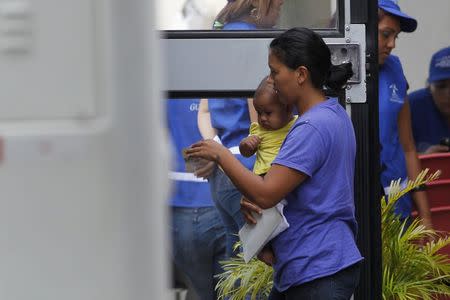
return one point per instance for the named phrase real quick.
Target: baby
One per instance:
(275, 119)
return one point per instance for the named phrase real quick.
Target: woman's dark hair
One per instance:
(303, 47)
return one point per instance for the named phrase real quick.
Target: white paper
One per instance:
(255, 236)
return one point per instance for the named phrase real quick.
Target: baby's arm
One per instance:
(249, 145)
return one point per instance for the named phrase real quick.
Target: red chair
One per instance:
(438, 193)
(437, 161)
(440, 216)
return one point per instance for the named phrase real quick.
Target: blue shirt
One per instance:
(230, 117)
(239, 26)
(187, 190)
(429, 126)
(321, 238)
(392, 93)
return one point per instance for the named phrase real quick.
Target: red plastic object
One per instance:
(438, 193)
(440, 216)
(437, 161)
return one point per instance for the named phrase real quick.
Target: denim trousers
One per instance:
(339, 286)
(227, 199)
(198, 239)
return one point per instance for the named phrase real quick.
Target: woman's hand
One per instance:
(247, 208)
(206, 149)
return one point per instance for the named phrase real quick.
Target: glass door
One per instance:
(202, 62)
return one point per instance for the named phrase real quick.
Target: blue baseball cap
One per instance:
(440, 65)
(407, 23)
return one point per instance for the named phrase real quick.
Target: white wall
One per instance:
(82, 200)
(433, 33)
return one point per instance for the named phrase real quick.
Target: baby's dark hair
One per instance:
(264, 86)
(303, 47)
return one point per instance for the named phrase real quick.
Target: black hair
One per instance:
(303, 47)
(263, 86)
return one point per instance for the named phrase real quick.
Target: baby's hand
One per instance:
(249, 145)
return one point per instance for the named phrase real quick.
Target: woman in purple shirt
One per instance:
(317, 256)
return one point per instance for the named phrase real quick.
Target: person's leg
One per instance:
(199, 237)
(339, 286)
(217, 242)
(227, 200)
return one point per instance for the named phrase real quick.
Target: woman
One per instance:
(398, 154)
(228, 120)
(316, 257)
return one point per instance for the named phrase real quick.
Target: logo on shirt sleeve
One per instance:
(394, 94)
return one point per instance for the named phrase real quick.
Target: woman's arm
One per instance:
(264, 191)
(412, 161)
(204, 120)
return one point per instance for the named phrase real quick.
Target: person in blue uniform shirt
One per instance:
(198, 235)
(228, 120)
(430, 107)
(398, 152)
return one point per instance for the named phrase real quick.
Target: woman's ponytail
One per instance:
(338, 75)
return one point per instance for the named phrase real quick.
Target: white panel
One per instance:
(82, 212)
(216, 64)
(415, 49)
(47, 59)
(238, 64)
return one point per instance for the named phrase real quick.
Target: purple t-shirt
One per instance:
(321, 238)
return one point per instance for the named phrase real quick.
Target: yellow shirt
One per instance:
(271, 141)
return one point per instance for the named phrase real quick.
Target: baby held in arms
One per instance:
(275, 119)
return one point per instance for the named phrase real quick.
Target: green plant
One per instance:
(412, 269)
(240, 279)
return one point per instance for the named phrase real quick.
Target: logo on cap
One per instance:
(443, 62)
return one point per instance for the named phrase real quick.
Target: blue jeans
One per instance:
(339, 286)
(198, 240)
(227, 199)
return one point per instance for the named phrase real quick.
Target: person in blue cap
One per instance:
(228, 120)
(430, 107)
(398, 152)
